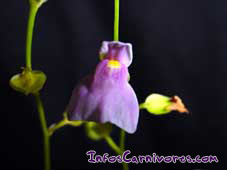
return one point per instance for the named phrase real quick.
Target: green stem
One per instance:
(113, 145)
(122, 139)
(125, 166)
(34, 6)
(46, 140)
(116, 149)
(31, 20)
(116, 20)
(142, 106)
(122, 147)
(56, 126)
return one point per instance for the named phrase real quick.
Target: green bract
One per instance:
(97, 131)
(28, 82)
(157, 104)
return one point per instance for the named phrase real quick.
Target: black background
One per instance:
(180, 47)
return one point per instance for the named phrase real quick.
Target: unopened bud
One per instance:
(158, 104)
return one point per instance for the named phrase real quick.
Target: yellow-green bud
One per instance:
(158, 104)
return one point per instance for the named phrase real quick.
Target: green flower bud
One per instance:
(28, 82)
(97, 131)
(158, 104)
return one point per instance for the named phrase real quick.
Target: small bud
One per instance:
(97, 131)
(158, 104)
(28, 82)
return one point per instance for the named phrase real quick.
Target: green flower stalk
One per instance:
(32, 81)
(116, 19)
(34, 6)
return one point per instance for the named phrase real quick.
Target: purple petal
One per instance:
(116, 50)
(106, 96)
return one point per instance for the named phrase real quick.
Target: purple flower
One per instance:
(106, 95)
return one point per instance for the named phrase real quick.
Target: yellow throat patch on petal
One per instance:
(114, 64)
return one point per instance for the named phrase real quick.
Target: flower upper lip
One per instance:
(115, 50)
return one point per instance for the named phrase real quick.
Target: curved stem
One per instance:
(56, 126)
(116, 19)
(116, 149)
(62, 123)
(46, 140)
(31, 20)
(113, 145)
